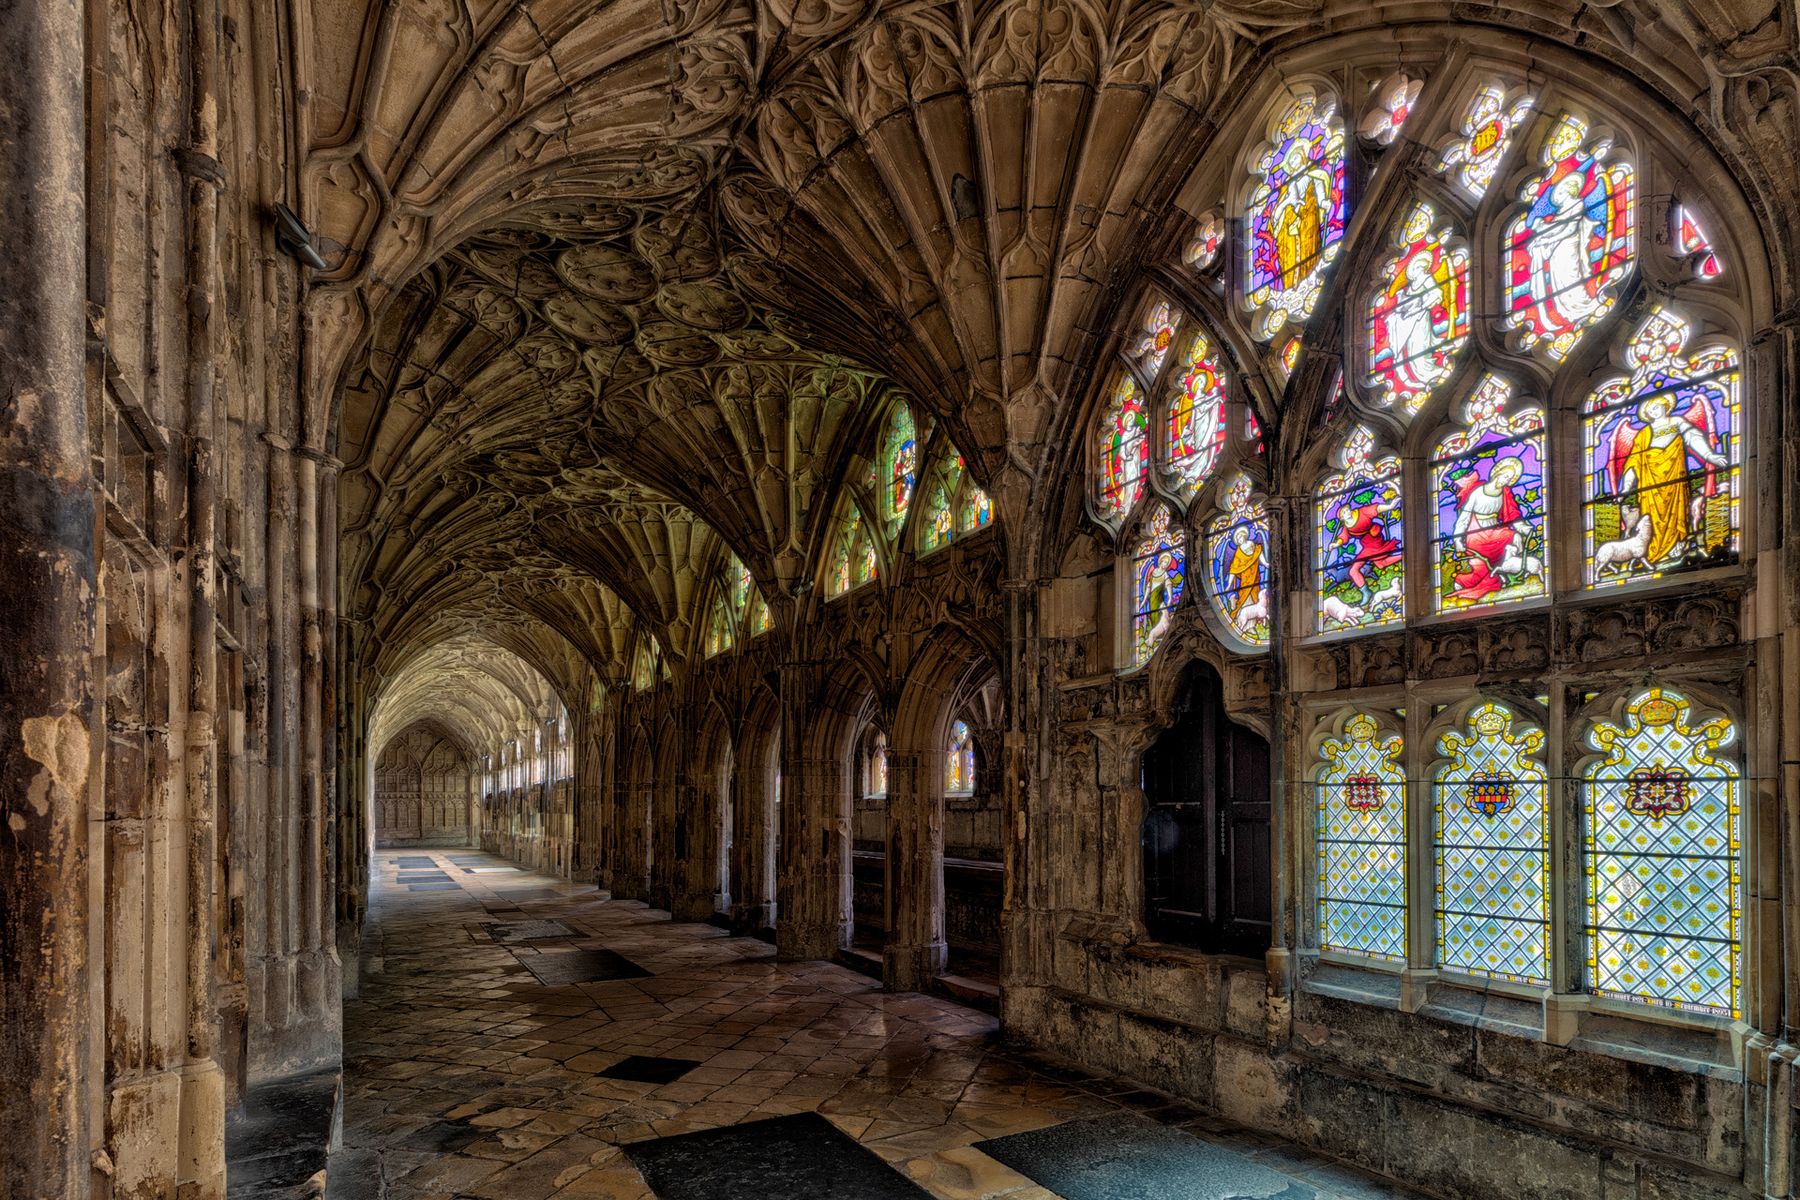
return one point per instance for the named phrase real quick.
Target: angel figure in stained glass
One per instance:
(1420, 319)
(1573, 242)
(1660, 458)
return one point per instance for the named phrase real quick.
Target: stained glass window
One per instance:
(1124, 448)
(959, 761)
(740, 587)
(853, 560)
(1493, 848)
(1362, 841)
(761, 620)
(1662, 447)
(643, 665)
(1158, 577)
(977, 510)
(1361, 554)
(1196, 429)
(1690, 240)
(1296, 213)
(1490, 545)
(1155, 338)
(1290, 358)
(939, 522)
(1573, 244)
(718, 628)
(878, 768)
(899, 464)
(1488, 126)
(1237, 549)
(1661, 854)
(1419, 320)
(1209, 238)
(1394, 100)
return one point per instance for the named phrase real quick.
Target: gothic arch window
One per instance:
(959, 761)
(646, 663)
(898, 470)
(1361, 550)
(875, 768)
(1124, 448)
(1238, 565)
(1296, 214)
(1661, 852)
(854, 558)
(1158, 581)
(1360, 788)
(954, 506)
(1489, 494)
(719, 622)
(1419, 318)
(1491, 836)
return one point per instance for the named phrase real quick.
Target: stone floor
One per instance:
(514, 1039)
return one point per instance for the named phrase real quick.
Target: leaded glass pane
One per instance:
(1492, 849)
(1573, 244)
(1124, 448)
(1490, 545)
(959, 762)
(1488, 126)
(1361, 574)
(1419, 320)
(1196, 430)
(1238, 563)
(900, 465)
(1690, 240)
(1662, 444)
(1296, 214)
(1661, 855)
(1361, 790)
(1158, 578)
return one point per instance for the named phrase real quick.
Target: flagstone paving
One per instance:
(467, 1077)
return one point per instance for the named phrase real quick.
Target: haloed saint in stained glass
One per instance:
(1362, 841)
(939, 523)
(900, 460)
(1663, 454)
(1419, 320)
(1573, 244)
(1238, 563)
(1124, 448)
(1361, 579)
(1296, 214)
(1493, 848)
(1661, 845)
(1196, 430)
(1488, 126)
(1690, 241)
(977, 511)
(959, 761)
(1489, 479)
(1158, 578)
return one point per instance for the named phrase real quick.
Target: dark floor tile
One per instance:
(447, 885)
(1124, 1157)
(641, 1069)
(508, 932)
(422, 877)
(415, 860)
(559, 968)
(444, 1137)
(802, 1157)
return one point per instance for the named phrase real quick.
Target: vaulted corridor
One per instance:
(467, 1074)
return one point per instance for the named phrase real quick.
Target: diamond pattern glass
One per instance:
(1362, 842)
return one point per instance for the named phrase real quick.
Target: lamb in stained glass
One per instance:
(1238, 561)
(1661, 847)
(1489, 477)
(1419, 320)
(1361, 578)
(1296, 213)
(1487, 131)
(1573, 244)
(1124, 449)
(1158, 579)
(1663, 447)
(1196, 430)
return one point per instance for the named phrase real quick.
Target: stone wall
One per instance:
(422, 792)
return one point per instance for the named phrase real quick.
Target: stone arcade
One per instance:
(965, 579)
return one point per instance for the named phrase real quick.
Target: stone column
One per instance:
(47, 584)
(812, 885)
(916, 951)
(752, 808)
(693, 872)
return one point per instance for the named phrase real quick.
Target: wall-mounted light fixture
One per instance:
(295, 238)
